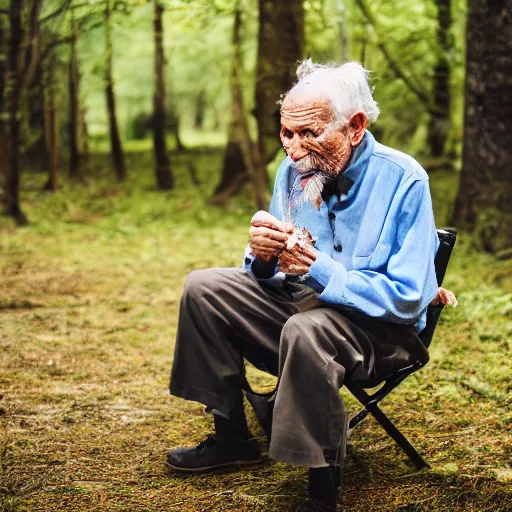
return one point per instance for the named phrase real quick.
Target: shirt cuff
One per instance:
(259, 268)
(248, 259)
(323, 268)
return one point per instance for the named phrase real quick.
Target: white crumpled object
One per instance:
(299, 237)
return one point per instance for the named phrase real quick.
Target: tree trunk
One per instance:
(241, 155)
(115, 139)
(4, 32)
(83, 140)
(253, 159)
(439, 123)
(52, 132)
(164, 177)
(74, 108)
(216, 118)
(10, 118)
(234, 169)
(173, 120)
(180, 147)
(200, 110)
(30, 49)
(35, 149)
(192, 171)
(280, 46)
(484, 204)
(4, 38)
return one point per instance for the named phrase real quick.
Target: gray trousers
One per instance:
(227, 315)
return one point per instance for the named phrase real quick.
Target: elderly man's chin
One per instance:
(306, 165)
(311, 177)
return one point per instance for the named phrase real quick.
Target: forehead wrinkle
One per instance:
(302, 124)
(321, 108)
(311, 114)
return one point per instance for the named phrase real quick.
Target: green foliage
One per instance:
(198, 48)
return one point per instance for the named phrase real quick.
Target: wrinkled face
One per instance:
(309, 137)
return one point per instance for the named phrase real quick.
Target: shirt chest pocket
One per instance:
(376, 259)
(373, 248)
(375, 229)
(367, 240)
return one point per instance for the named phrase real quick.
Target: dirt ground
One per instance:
(89, 298)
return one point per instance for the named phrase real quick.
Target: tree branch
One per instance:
(423, 96)
(91, 27)
(30, 53)
(57, 12)
(79, 6)
(50, 46)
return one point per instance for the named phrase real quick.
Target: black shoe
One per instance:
(311, 505)
(215, 452)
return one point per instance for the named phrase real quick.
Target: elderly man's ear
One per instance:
(357, 127)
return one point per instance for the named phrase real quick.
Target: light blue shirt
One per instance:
(376, 244)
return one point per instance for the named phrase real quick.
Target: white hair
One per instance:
(345, 85)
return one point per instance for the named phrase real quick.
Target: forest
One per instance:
(137, 139)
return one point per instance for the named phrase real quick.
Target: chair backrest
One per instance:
(447, 238)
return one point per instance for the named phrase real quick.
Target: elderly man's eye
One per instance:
(287, 134)
(307, 134)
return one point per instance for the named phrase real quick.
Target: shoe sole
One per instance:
(217, 466)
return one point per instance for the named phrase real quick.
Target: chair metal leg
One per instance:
(372, 407)
(399, 438)
(355, 420)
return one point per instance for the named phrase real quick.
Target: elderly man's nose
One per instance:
(296, 151)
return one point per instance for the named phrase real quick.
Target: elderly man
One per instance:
(335, 281)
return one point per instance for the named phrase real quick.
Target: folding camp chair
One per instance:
(262, 403)
(371, 402)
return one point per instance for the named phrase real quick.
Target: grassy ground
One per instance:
(88, 309)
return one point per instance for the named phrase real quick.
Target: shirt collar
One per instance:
(354, 171)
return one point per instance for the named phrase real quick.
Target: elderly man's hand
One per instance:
(297, 259)
(268, 235)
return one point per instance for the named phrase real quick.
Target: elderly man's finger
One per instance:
(265, 219)
(294, 269)
(304, 260)
(262, 241)
(299, 256)
(309, 252)
(304, 254)
(276, 225)
(264, 256)
(307, 262)
(289, 227)
(266, 250)
(268, 233)
(262, 216)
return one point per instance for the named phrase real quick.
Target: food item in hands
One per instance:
(295, 245)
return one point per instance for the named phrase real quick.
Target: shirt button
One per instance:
(338, 247)
(332, 216)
